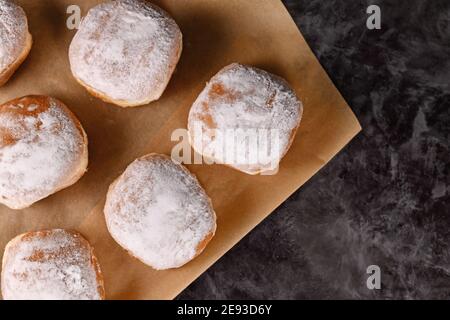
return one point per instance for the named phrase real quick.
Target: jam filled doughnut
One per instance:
(125, 52)
(43, 149)
(245, 118)
(51, 265)
(15, 40)
(159, 213)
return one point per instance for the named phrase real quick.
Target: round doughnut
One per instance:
(15, 39)
(51, 265)
(159, 213)
(125, 52)
(43, 149)
(245, 118)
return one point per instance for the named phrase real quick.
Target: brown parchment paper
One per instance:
(216, 33)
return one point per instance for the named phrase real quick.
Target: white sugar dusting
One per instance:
(159, 212)
(125, 49)
(13, 33)
(246, 101)
(38, 151)
(49, 265)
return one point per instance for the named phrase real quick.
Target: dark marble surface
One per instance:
(384, 199)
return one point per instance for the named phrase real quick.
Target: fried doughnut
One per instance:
(125, 52)
(159, 213)
(51, 265)
(245, 118)
(43, 149)
(15, 39)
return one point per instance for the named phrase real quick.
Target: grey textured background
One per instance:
(385, 198)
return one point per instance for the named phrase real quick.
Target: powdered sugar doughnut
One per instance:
(246, 118)
(159, 213)
(51, 265)
(15, 40)
(125, 52)
(43, 149)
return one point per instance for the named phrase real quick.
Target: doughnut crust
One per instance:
(159, 213)
(125, 52)
(245, 118)
(51, 265)
(15, 39)
(43, 149)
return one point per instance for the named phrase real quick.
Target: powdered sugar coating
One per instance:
(50, 265)
(247, 102)
(126, 50)
(13, 33)
(41, 147)
(158, 211)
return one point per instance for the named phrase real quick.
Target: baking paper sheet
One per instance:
(216, 33)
